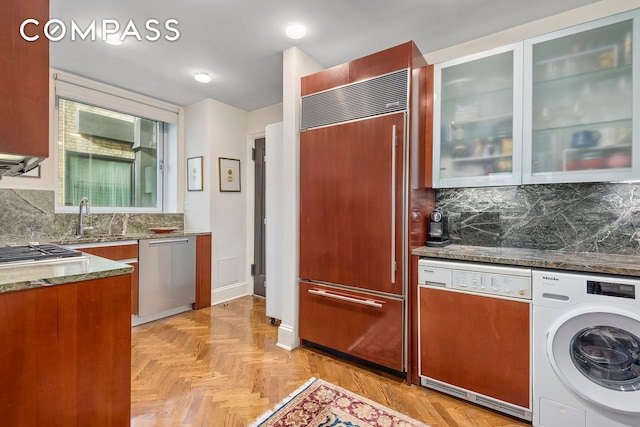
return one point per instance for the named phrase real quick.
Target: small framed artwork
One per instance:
(195, 181)
(229, 174)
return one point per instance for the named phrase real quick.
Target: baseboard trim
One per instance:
(287, 338)
(230, 292)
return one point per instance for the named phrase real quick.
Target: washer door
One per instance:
(595, 352)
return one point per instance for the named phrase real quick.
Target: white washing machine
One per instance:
(586, 350)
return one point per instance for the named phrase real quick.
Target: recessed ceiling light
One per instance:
(296, 31)
(202, 77)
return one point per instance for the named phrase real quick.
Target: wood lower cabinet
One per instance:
(127, 253)
(359, 324)
(66, 355)
(476, 342)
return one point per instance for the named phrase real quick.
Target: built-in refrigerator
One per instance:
(353, 202)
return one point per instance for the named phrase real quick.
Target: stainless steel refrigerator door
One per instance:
(167, 274)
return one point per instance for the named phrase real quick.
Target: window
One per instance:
(111, 148)
(109, 157)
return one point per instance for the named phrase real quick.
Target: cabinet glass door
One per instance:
(477, 119)
(578, 103)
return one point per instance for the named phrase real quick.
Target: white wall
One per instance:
(213, 130)
(258, 119)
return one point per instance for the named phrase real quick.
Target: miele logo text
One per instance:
(550, 278)
(56, 29)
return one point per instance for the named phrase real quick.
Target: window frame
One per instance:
(98, 94)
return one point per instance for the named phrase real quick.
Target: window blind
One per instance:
(91, 92)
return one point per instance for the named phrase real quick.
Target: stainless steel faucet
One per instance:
(84, 201)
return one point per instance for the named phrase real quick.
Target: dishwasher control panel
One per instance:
(514, 282)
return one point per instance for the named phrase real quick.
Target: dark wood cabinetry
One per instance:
(347, 221)
(353, 322)
(203, 272)
(66, 357)
(326, 79)
(361, 212)
(24, 92)
(501, 346)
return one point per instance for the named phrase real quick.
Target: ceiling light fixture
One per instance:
(296, 31)
(202, 77)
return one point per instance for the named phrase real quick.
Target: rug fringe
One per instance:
(264, 417)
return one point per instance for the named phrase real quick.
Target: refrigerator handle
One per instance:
(323, 293)
(394, 143)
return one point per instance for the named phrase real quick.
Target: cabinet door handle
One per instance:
(394, 142)
(160, 242)
(367, 302)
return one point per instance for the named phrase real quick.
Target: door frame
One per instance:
(259, 267)
(250, 185)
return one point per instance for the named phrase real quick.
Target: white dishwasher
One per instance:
(474, 338)
(167, 276)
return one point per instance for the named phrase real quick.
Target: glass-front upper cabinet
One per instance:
(579, 97)
(478, 119)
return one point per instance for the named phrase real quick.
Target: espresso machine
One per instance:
(438, 229)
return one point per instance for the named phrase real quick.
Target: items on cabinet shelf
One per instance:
(578, 119)
(476, 113)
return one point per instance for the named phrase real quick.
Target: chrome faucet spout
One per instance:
(83, 202)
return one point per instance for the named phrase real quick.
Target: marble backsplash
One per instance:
(29, 215)
(593, 217)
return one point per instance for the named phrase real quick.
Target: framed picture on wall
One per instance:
(195, 181)
(229, 174)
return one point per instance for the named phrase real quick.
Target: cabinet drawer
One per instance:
(362, 325)
(116, 253)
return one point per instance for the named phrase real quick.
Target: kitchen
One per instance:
(229, 127)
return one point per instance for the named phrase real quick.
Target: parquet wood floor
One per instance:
(220, 367)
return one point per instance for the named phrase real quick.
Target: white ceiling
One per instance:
(240, 42)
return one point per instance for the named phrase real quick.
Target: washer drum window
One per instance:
(608, 356)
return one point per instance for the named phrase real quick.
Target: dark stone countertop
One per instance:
(50, 273)
(588, 262)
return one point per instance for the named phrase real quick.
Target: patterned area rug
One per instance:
(321, 404)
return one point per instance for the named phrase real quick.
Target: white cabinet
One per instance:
(579, 97)
(478, 119)
(557, 108)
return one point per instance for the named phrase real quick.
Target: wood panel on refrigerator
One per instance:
(325, 79)
(350, 221)
(383, 62)
(362, 325)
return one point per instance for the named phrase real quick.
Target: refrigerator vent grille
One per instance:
(379, 95)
